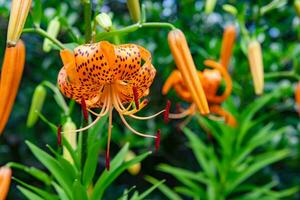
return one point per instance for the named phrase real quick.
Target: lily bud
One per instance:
(104, 21)
(52, 30)
(186, 66)
(227, 45)
(5, 179)
(136, 168)
(68, 128)
(297, 7)
(134, 10)
(12, 70)
(210, 6)
(37, 103)
(297, 97)
(230, 9)
(256, 66)
(18, 14)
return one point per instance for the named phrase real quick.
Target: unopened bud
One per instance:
(230, 9)
(136, 168)
(71, 137)
(37, 103)
(210, 6)
(104, 21)
(297, 7)
(134, 10)
(52, 30)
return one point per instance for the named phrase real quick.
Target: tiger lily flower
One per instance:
(211, 80)
(18, 15)
(12, 69)
(107, 76)
(5, 179)
(256, 66)
(229, 36)
(185, 64)
(297, 97)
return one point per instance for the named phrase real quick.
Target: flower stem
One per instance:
(133, 28)
(282, 74)
(45, 35)
(87, 12)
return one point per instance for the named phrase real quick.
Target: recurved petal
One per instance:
(91, 93)
(5, 179)
(142, 81)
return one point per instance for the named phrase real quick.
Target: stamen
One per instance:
(157, 140)
(84, 110)
(189, 111)
(134, 131)
(107, 157)
(167, 110)
(59, 135)
(135, 97)
(148, 117)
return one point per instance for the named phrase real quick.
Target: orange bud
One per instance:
(297, 97)
(18, 14)
(227, 45)
(12, 70)
(256, 66)
(5, 179)
(186, 66)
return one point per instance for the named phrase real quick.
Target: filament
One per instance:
(183, 114)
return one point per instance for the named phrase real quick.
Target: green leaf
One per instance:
(148, 191)
(91, 163)
(164, 189)
(183, 173)
(53, 166)
(61, 193)
(37, 13)
(38, 191)
(79, 191)
(104, 181)
(28, 194)
(38, 174)
(259, 162)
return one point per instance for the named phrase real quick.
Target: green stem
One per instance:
(45, 35)
(87, 12)
(282, 74)
(133, 28)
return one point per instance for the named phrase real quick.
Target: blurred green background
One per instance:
(278, 31)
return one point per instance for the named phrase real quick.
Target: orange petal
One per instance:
(227, 45)
(186, 66)
(297, 97)
(226, 76)
(11, 75)
(256, 66)
(18, 15)
(229, 118)
(173, 79)
(5, 179)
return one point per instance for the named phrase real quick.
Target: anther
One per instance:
(157, 140)
(135, 97)
(107, 160)
(59, 135)
(167, 111)
(84, 110)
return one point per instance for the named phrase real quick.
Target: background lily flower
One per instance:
(186, 66)
(256, 66)
(106, 76)
(297, 97)
(229, 36)
(12, 69)
(210, 79)
(5, 179)
(18, 14)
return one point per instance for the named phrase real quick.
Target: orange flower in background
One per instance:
(211, 80)
(256, 66)
(229, 36)
(5, 179)
(11, 74)
(297, 97)
(185, 64)
(18, 14)
(107, 76)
